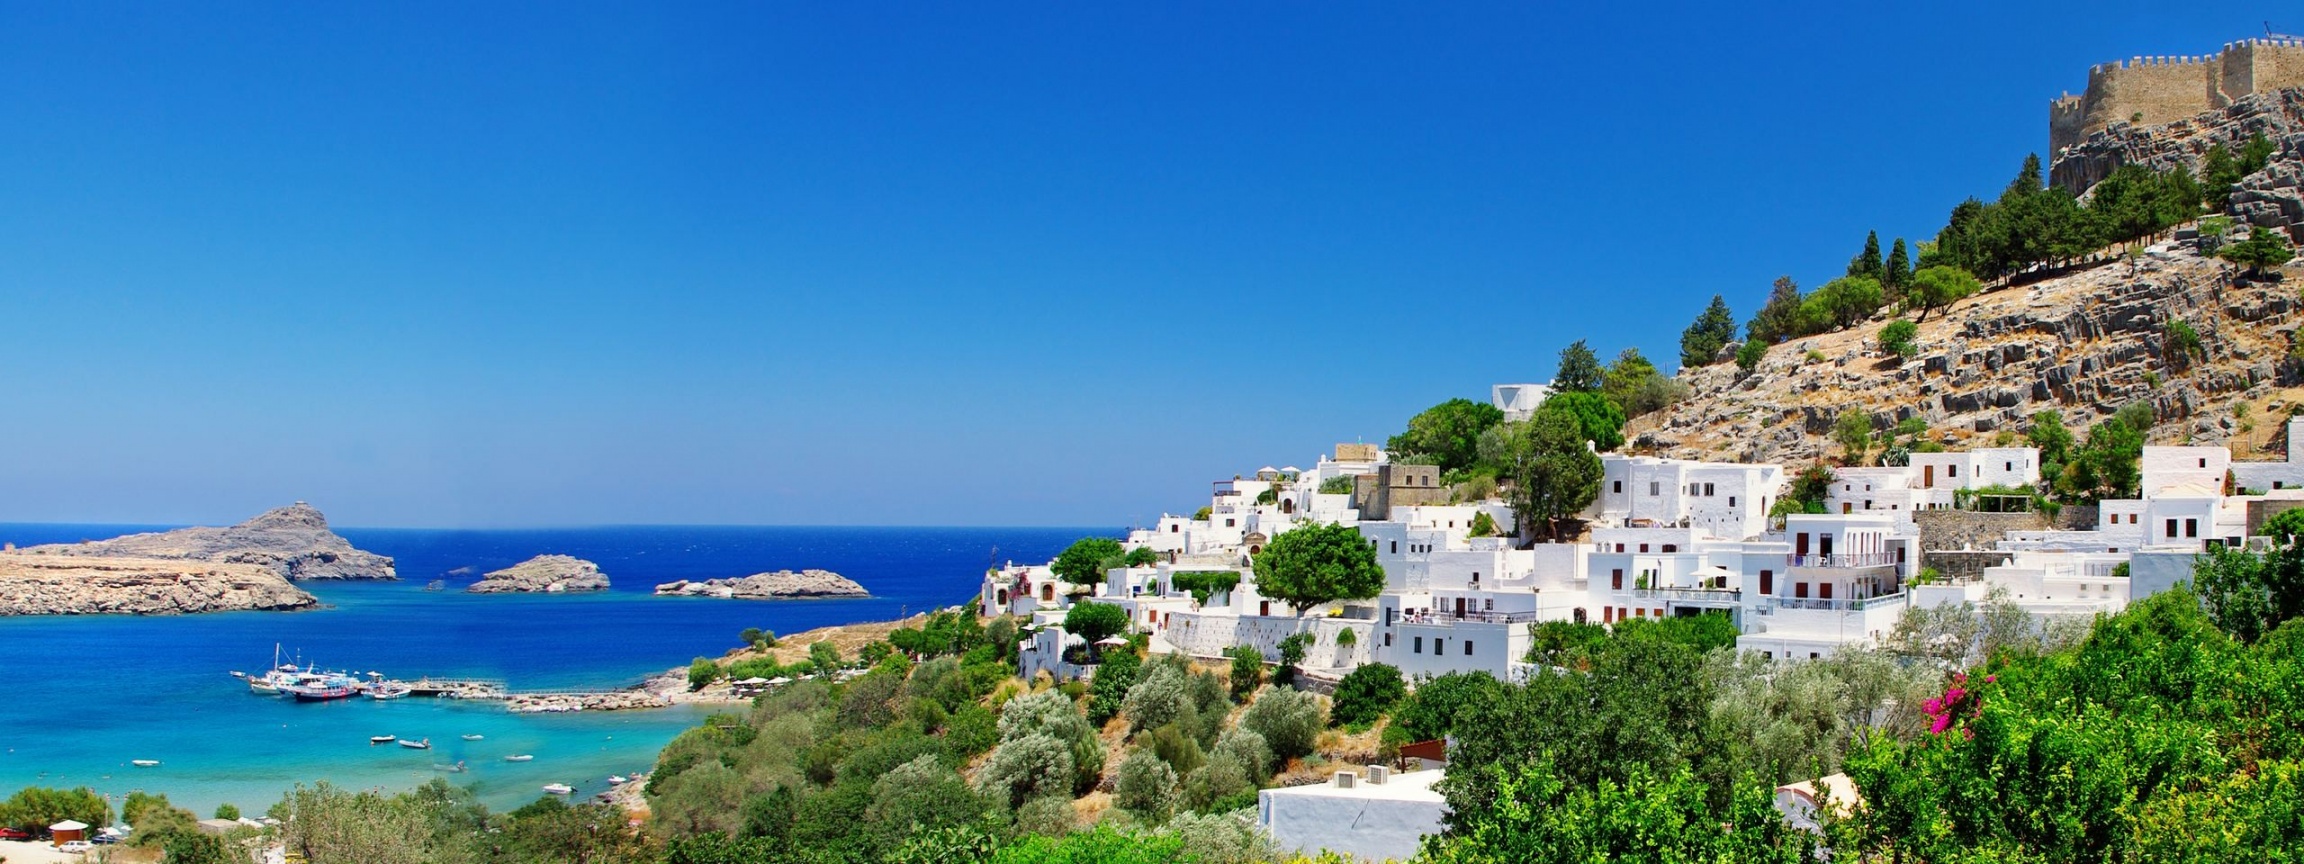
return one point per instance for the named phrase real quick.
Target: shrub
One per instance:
(1083, 563)
(1220, 780)
(1367, 693)
(1896, 338)
(1222, 839)
(1432, 711)
(1045, 817)
(919, 795)
(1483, 525)
(1247, 671)
(1146, 786)
(970, 730)
(1204, 584)
(1109, 688)
(1158, 699)
(1028, 767)
(702, 671)
(1142, 556)
(1246, 748)
(227, 811)
(1095, 621)
(1289, 719)
(1050, 713)
(1749, 355)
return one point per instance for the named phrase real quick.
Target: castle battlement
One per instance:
(2165, 88)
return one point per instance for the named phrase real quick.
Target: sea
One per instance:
(81, 697)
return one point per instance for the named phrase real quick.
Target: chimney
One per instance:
(1347, 779)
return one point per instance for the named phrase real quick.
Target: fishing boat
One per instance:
(425, 744)
(474, 737)
(315, 687)
(559, 788)
(143, 763)
(382, 739)
(522, 757)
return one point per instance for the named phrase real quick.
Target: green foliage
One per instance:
(1840, 303)
(1142, 556)
(1897, 338)
(1853, 431)
(1052, 714)
(2264, 248)
(1749, 355)
(1106, 692)
(1158, 699)
(944, 632)
(1636, 388)
(2248, 594)
(1204, 584)
(1597, 418)
(1367, 693)
(227, 811)
(2106, 466)
(1898, 274)
(1712, 330)
(1201, 515)
(1095, 621)
(1483, 525)
(1867, 263)
(751, 635)
(1028, 767)
(2219, 173)
(1145, 786)
(1101, 845)
(1289, 719)
(1082, 563)
(193, 847)
(1247, 671)
(1448, 432)
(2053, 440)
(1540, 814)
(1318, 563)
(1433, 710)
(1775, 320)
(2182, 343)
(702, 671)
(825, 656)
(922, 794)
(1580, 370)
(1552, 475)
(1340, 484)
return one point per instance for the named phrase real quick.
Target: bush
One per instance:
(702, 671)
(1051, 713)
(1483, 525)
(970, 730)
(1222, 839)
(1338, 485)
(1289, 719)
(1896, 338)
(1045, 817)
(1084, 562)
(1248, 749)
(1109, 688)
(1142, 556)
(1247, 671)
(1146, 786)
(227, 811)
(1158, 699)
(1367, 693)
(1749, 355)
(1027, 767)
(1221, 780)
(1432, 711)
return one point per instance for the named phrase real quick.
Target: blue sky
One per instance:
(1002, 264)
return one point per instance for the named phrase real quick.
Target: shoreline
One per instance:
(669, 688)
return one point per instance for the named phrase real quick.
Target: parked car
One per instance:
(75, 847)
(14, 834)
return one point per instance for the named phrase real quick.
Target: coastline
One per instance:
(669, 688)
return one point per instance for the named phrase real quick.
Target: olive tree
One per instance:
(1318, 563)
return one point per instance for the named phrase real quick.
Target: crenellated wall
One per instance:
(2152, 91)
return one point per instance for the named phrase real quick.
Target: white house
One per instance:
(1518, 401)
(1727, 500)
(1376, 817)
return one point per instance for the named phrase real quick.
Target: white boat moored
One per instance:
(143, 763)
(559, 788)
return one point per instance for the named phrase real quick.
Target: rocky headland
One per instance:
(46, 584)
(293, 542)
(543, 574)
(780, 585)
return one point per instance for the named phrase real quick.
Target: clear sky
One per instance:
(985, 264)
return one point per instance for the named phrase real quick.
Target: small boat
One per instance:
(457, 768)
(388, 690)
(618, 780)
(436, 584)
(559, 788)
(474, 737)
(382, 739)
(425, 744)
(143, 763)
(521, 757)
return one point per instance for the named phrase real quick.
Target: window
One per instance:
(1949, 471)
(1824, 590)
(1488, 605)
(1640, 613)
(2191, 527)
(1655, 488)
(1671, 547)
(1643, 548)
(1439, 646)
(2203, 461)
(1616, 579)
(1387, 640)
(1228, 523)
(2171, 528)
(1616, 487)
(1175, 528)
(1731, 500)
(1708, 490)
(1607, 615)
(1812, 655)
(2007, 466)
(1767, 581)
(1419, 645)
(1395, 547)
(1800, 590)
(1467, 647)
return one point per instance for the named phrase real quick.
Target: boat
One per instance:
(436, 585)
(425, 744)
(382, 739)
(457, 768)
(521, 757)
(143, 763)
(474, 737)
(559, 788)
(316, 687)
(618, 780)
(388, 690)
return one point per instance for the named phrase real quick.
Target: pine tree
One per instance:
(2027, 180)
(1867, 264)
(1700, 344)
(1580, 370)
(1774, 320)
(1899, 272)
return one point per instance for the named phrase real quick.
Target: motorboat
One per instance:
(388, 690)
(520, 757)
(618, 780)
(425, 744)
(457, 768)
(559, 788)
(143, 763)
(474, 737)
(382, 739)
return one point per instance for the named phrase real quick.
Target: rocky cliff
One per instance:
(2084, 343)
(780, 585)
(547, 574)
(39, 584)
(293, 542)
(2272, 198)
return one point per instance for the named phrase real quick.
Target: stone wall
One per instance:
(1963, 564)
(1953, 530)
(2150, 91)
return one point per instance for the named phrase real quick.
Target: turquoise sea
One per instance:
(85, 695)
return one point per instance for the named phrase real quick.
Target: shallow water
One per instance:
(87, 694)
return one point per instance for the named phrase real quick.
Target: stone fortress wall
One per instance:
(2167, 89)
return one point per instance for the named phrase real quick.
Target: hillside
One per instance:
(2084, 342)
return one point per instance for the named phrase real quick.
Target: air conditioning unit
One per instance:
(1377, 774)
(1346, 779)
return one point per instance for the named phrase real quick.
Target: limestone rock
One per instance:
(292, 541)
(543, 574)
(780, 585)
(42, 584)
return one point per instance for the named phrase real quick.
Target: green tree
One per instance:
(1432, 711)
(2219, 173)
(1142, 556)
(1749, 355)
(227, 811)
(1867, 264)
(1095, 621)
(1775, 320)
(1367, 693)
(1108, 690)
(1636, 387)
(2256, 154)
(1084, 562)
(1552, 474)
(1540, 816)
(1898, 273)
(2264, 248)
(1247, 671)
(702, 671)
(1897, 337)
(1854, 433)
(1483, 525)
(2248, 594)
(1290, 721)
(1939, 287)
(1318, 563)
(2054, 442)
(1712, 330)
(1580, 370)
(1291, 658)
(1448, 432)
(1597, 418)
(1145, 786)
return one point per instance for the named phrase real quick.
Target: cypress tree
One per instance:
(1867, 264)
(1899, 271)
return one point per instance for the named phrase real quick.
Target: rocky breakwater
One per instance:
(293, 542)
(543, 574)
(37, 584)
(780, 585)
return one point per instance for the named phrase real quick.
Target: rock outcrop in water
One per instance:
(293, 542)
(780, 585)
(42, 584)
(543, 574)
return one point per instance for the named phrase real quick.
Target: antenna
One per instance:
(2270, 34)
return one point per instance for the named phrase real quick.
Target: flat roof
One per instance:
(1403, 786)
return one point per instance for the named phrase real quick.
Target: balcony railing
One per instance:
(1884, 601)
(1856, 559)
(1469, 617)
(1700, 595)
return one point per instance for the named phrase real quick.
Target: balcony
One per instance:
(1445, 618)
(1884, 601)
(1858, 559)
(1696, 595)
